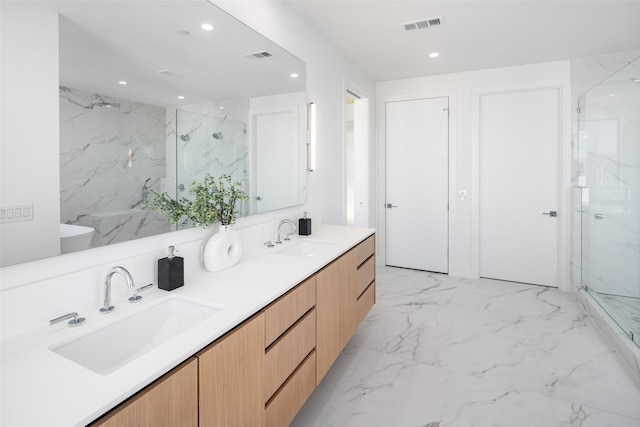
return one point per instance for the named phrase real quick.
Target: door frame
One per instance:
(349, 85)
(564, 171)
(381, 179)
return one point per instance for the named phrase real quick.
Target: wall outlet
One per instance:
(16, 213)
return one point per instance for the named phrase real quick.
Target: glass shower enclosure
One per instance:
(609, 174)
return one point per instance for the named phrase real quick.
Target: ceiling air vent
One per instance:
(257, 55)
(423, 24)
(169, 73)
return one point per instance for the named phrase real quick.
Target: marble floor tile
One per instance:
(413, 335)
(494, 346)
(475, 402)
(570, 414)
(577, 364)
(600, 382)
(548, 303)
(461, 352)
(491, 295)
(376, 386)
(369, 394)
(410, 290)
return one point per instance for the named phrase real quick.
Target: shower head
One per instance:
(217, 135)
(184, 137)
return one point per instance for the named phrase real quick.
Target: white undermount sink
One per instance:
(306, 248)
(114, 345)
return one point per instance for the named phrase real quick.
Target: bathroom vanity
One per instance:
(282, 316)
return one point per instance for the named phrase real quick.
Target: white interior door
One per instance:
(417, 177)
(276, 164)
(519, 169)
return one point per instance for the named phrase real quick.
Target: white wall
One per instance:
(326, 73)
(29, 131)
(464, 90)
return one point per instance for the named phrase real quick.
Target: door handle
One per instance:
(551, 213)
(389, 206)
(599, 216)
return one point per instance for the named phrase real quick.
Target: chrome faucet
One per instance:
(107, 307)
(278, 233)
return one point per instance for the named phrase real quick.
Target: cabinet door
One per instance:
(170, 401)
(348, 297)
(328, 318)
(231, 378)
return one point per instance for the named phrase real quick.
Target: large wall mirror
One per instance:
(155, 95)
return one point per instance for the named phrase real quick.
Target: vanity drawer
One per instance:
(365, 275)
(365, 249)
(284, 406)
(286, 311)
(172, 400)
(366, 301)
(284, 356)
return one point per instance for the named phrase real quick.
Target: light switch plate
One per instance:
(15, 213)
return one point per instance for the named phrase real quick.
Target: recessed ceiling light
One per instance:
(612, 94)
(294, 75)
(180, 97)
(434, 55)
(122, 82)
(207, 27)
(222, 108)
(636, 80)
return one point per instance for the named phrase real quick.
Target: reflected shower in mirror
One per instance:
(112, 153)
(208, 144)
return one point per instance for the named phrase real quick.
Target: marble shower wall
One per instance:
(212, 144)
(616, 263)
(112, 153)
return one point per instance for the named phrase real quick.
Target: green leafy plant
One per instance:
(214, 200)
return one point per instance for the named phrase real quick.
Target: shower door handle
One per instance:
(551, 213)
(389, 206)
(599, 216)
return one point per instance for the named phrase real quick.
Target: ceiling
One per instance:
(159, 48)
(475, 35)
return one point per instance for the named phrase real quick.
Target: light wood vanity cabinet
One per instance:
(365, 278)
(262, 372)
(170, 401)
(345, 294)
(286, 310)
(231, 372)
(294, 393)
(328, 317)
(348, 296)
(290, 366)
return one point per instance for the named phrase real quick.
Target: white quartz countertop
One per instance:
(42, 388)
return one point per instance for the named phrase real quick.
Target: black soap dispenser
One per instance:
(304, 225)
(171, 271)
